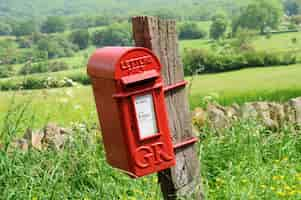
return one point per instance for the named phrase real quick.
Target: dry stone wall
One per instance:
(271, 114)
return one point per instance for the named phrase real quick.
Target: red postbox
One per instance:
(129, 95)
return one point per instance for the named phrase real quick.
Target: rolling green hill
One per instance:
(64, 7)
(183, 8)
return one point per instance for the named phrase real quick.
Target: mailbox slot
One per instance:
(132, 81)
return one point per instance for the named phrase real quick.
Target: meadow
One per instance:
(75, 104)
(246, 161)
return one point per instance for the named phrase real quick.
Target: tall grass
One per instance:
(249, 162)
(245, 161)
(79, 171)
(16, 120)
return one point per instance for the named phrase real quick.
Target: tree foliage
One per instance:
(292, 7)
(190, 30)
(56, 46)
(53, 24)
(24, 28)
(5, 29)
(259, 15)
(114, 35)
(219, 26)
(81, 38)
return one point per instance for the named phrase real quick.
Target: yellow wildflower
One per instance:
(278, 177)
(263, 186)
(285, 159)
(286, 187)
(280, 193)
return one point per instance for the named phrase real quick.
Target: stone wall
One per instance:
(271, 114)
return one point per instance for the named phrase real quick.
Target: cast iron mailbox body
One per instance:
(129, 95)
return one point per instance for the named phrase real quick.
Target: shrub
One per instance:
(24, 42)
(200, 60)
(10, 84)
(254, 58)
(292, 26)
(42, 67)
(57, 66)
(8, 51)
(51, 80)
(296, 19)
(294, 40)
(243, 39)
(33, 83)
(30, 68)
(80, 78)
(289, 58)
(271, 59)
(6, 71)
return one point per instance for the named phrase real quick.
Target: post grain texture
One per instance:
(184, 180)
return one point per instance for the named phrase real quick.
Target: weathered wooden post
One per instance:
(160, 36)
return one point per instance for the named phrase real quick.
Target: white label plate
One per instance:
(146, 116)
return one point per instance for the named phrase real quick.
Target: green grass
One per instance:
(250, 162)
(278, 42)
(77, 103)
(247, 162)
(77, 172)
(269, 83)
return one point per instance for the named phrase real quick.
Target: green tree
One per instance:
(114, 35)
(5, 29)
(53, 24)
(243, 40)
(190, 30)
(81, 38)
(57, 46)
(102, 20)
(8, 52)
(165, 13)
(292, 7)
(81, 22)
(260, 15)
(219, 26)
(25, 28)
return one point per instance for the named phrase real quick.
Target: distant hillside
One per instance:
(37, 8)
(75, 7)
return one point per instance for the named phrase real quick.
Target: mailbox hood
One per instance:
(118, 62)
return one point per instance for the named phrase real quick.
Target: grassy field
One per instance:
(76, 104)
(269, 83)
(277, 42)
(246, 162)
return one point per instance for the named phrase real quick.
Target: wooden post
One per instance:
(160, 36)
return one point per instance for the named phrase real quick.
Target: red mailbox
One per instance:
(129, 95)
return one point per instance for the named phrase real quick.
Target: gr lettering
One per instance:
(148, 156)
